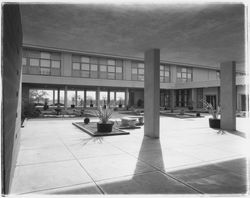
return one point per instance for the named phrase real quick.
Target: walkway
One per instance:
(57, 158)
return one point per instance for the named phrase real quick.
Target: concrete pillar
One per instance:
(76, 97)
(115, 97)
(194, 98)
(65, 97)
(126, 97)
(85, 98)
(228, 96)
(58, 95)
(152, 93)
(172, 98)
(53, 96)
(108, 99)
(218, 96)
(98, 97)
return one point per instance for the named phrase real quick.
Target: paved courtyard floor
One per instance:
(56, 157)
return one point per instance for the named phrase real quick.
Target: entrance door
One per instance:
(212, 100)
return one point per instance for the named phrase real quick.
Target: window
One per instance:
(34, 62)
(138, 71)
(41, 63)
(85, 66)
(218, 74)
(164, 73)
(76, 66)
(182, 97)
(55, 64)
(184, 74)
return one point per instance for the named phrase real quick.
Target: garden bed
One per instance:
(91, 129)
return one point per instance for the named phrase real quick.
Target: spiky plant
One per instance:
(209, 107)
(104, 114)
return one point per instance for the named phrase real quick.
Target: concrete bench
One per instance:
(140, 118)
(128, 121)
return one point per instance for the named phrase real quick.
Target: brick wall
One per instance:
(11, 103)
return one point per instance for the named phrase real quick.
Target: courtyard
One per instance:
(55, 157)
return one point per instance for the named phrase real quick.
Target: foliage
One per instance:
(209, 107)
(38, 95)
(29, 111)
(104, 114)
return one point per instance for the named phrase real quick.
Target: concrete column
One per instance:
(152, 93)
(85, 98)
(126, 97)
(228, 96)
(58, 95)
(194, 97)
(98, 97)
(65, 97)
(108, 99)
(172, 98)
(76, 97)
(53, 96)
(218, 96)
(115, 97)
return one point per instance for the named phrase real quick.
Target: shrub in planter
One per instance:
(214, 122)
(104, 115)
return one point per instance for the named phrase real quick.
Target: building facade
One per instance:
(83, 79)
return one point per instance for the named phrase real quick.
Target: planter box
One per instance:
(214, 123)
(104, 128)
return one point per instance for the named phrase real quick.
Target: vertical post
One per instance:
(126, 97)
(172, 99)
(76, 98)
(108, 99)
(228, 96)
(115, 97)
(98, 97)
(58, 96)
(53, 97)
(194, 98)
(85, 98)
(65, 97)
(152, 93)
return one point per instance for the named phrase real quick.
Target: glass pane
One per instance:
(76, 66)
(166, 73)
(45, 55)
(103, 75)
(189, 76)
(71, 96)
(141, 71)
(103, 68)
(134, 76)
(178, 75)
(111, 75)
(34, 62)
(85, 59)
(166, 68)
(134, 65)
(119, 63)
(76, 58)
(140, 77)
(118, 69)
(94, 60)
(55, 64)
(118, 76)
(85, 74)
(90, 98)
(184, 75)
(166, 79)
(141, 65)
(111, 69)
(45, 71)
(103, 61)
(111, 62)
(24, 61)
(183, 70)
(134, 71)
(162, 79)
(94, 68)
(45, 63)
(161, 73)
(55, 56)
(80, 98)
(85, 66)
(93, 74)
(161, 67)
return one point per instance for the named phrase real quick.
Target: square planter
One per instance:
(214, 123)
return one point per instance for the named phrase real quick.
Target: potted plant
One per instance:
(104, 126)
(91, 103)
(214, 122)
(120, 103)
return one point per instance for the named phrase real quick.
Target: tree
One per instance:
(37, 95)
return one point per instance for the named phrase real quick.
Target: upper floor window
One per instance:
(43, 63)
(164, 73)
(184, 74)
(217, 74)
(137, 71)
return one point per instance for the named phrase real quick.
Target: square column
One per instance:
(53, 102)
(65, 97)
(98, 97)
(172, 99)
(108, 99)
(194, 98)
(76, 98)
(85, 98)
(126, 97)
(228, 96)
(152, 93)
(58, 96)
